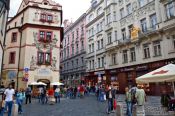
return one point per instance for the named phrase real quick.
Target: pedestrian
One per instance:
(110, 100)
(40, 89)
(57, 95)
(28, 94)
(2, 106)
(75, 92)
(19, 100)
(51, 96)
(9, 97)
(43, 95)
(141, 99)
(128, 101)
(165, 99)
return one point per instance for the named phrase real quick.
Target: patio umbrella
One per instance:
(163, 74)
(33, 83)
(57, 83)
(41, 83)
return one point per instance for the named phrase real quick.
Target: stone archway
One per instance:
(46, 81)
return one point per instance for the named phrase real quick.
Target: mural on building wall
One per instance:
(44, 47)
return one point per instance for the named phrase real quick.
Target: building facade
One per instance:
(95, 57)
(33, 44)
(4, 9)
(138, 38)
(73, 52)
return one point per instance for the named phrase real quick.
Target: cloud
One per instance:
(72, 9)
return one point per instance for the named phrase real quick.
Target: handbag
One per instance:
(115, 104)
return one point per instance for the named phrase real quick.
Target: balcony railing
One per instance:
(124, 40)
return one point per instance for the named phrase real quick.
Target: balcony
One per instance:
(169, 24)
(108, 26)
(124, 41)
(112, 45)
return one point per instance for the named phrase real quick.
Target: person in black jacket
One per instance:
(110, 96)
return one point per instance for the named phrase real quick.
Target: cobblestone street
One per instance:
(88, 106)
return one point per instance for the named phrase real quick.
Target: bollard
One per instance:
(119, 109)
(15, 110)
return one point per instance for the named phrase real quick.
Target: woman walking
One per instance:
(20, 97)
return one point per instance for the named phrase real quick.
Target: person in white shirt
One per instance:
(9, 97)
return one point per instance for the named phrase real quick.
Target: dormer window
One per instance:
(45, 3)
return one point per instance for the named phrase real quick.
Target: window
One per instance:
(153, 19)
(93, 64)
(72, 49)
(82, 30)
(101, 26)
(43, 17)
(170, 8)
(123, 34)
(77, 47)
(129, 9)
(44, 58)
(22, 19)
(109, 38)
(114, 61)
(108, 18)
(99, 63)
(82, 60)
(42, 35)
(122, 13)
(157, 48)
(101, 43)
(72, 64)
(125, 56)
(98, 28)
(99, 11)
(107, 2)
(114, 16)
(82, 45)
(67, 65)
(92, 47)
(174, 43)
(49, 18)
(14, 37)
(133, 54)
(72, 36)
(143, 25)
(98, 45)
(12, 56)
(77, 33)
(142, 3)
(115, 35)
(48, 36)
(47, 58)
(91, 17)
(68, 51)
(89, 48)
(89, 64)
(77, 62)
(130, 29)
(102, 61)
(146, 51)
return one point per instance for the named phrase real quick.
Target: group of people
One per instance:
(134, 95)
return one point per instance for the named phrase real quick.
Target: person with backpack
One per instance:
(57, 95)
(28, 95)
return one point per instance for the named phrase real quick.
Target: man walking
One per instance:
(28, 95)
(9, 97)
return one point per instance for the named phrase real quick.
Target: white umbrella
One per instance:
(57, 83)
(33, 83)
(41, 83)
(163, 74)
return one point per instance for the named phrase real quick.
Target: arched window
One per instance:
(91, 17)
(99, 11)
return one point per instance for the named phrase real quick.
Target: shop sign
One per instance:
(144, 67)
(11, 74)
(100, 72)
(44, 72)
(113, 71)
(126, 69)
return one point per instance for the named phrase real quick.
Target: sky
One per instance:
(72, 9)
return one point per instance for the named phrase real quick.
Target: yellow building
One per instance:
(33, 44)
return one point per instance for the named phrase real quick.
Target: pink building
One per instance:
(73, 51)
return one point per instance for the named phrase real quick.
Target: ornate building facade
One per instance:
(33, 44)
(73, 52)
(4, 9)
